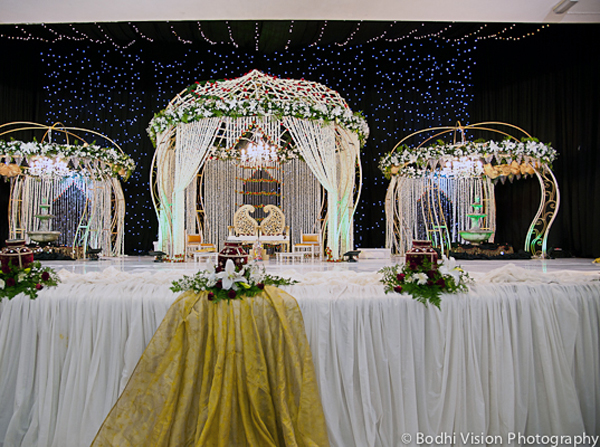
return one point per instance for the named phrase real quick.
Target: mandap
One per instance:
(256, 140)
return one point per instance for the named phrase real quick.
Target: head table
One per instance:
(514, 358)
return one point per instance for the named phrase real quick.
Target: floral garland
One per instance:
(329, 256)
(113, 162)
(258, 193)
(425, 281)
(258, 180)
(213, 106)
(28, 280)
(230, 283)
(417, 162)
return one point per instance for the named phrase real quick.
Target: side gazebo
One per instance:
(64, 189)
(436, 188)
(220, 144)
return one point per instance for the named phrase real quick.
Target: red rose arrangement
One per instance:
(29, 280)
(425, 281)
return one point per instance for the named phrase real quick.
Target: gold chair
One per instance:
(309, 242)
(194, 244)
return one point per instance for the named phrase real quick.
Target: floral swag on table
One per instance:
(113, 162)
(498, 159)
(424, 280)
(231, 282)
(212, 106)
(28, 279)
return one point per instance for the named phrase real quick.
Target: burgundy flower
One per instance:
(10, 282)
(211, 296)
(429, 282)
(431, 273)
(400, 277)
(441, 282)
(39, 286)
(398, 289)
(6, 268)
(232, 293)
(219, 285)
(45, 276)
(260, 285)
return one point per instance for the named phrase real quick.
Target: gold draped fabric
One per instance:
(225, 374)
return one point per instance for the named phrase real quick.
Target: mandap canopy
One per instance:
(256, 119)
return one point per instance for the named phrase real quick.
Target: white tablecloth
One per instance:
(518, 354)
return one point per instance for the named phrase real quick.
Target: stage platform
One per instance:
(147, 264)
(516, 355)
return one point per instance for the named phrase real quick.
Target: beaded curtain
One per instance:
(415, 206)
(77, 204)
(298, 195)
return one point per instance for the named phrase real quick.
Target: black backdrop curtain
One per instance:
(548, 85)
(545, 83)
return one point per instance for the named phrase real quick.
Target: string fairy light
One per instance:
(178, 37)
(316, 42)
(351, 36)
(290, 30)
(206, 39)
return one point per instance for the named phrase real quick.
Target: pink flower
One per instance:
(39, 286)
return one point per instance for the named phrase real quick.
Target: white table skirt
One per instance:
(501, 359)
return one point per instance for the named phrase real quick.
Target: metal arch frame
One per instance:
(537, 235)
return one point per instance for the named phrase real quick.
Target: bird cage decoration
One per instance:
(436, 189)
(65, 189)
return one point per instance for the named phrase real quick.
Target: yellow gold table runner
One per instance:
(236, 373)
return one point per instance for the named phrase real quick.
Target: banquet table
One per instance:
(516, 355)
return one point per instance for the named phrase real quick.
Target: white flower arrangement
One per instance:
(417, 162)
(210, 106)
(230, 282)
(105, 160)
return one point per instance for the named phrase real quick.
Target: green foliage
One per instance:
(28, 280)
(424, 281)
(245, 281)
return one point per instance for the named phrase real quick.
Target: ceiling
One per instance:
(89, 11)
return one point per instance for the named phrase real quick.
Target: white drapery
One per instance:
(316, 142)
(506, 357)
(192, 147)
(413, 206)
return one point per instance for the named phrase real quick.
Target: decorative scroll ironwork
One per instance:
(537, 235)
